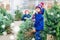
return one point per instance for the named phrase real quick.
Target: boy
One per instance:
(26, 15)
(39, 23)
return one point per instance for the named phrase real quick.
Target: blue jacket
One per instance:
(26, 15)
(39, 20)
(42, 10)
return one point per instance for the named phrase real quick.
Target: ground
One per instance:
(12, 36)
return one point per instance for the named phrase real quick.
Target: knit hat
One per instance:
(37, 7)
(26, 11)
(41, 4)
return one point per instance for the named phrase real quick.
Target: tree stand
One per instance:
(50, 37)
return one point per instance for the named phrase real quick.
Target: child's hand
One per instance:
(25, 18)
(34, 11)
(34, 30)
(33, 20)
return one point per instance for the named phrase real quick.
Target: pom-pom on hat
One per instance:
(42, 3)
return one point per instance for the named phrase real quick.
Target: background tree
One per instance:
(52, 21)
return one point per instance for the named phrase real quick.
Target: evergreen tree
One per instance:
(5, 20)
(25, 32)
(52, 21)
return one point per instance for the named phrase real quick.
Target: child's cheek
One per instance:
(38, 10)
(27, 12)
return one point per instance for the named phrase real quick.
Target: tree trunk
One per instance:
(50, 37)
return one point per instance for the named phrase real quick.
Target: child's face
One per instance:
(37, 9)
(26, 12)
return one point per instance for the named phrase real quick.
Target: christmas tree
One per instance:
(18, 15)
(25, 32)
(5, 20)
(52, 21)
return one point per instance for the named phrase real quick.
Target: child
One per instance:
(39, 23)
(26, 15)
